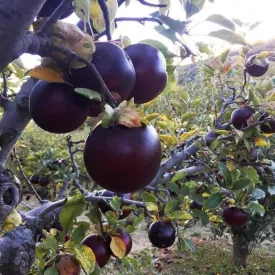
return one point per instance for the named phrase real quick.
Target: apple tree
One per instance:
(172, 153)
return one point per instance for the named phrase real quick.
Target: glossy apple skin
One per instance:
(104, 207)
(100, 248)
(162, 234)
(127, 239)
(240, 116)
(56, 108)
(234, 216)
(256, 70)
(195, 205)
(151, 75)
(50, 6)
(115, 68)
(121, 159)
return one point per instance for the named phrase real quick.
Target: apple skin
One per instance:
(100, 248)
(133, 156)
(104, 208)
(240, 116)
(151, 75)
(234, 216)
(162, 234)
(126, 238)
(52, 105)
(113, 65)
(256, 70)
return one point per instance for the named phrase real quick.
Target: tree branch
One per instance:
(64, 5)
(15, 119)
(140, 20)
(16, 17)
(105, 12)
(104, 89)
(177, 157)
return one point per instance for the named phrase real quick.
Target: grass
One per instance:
(214, 260)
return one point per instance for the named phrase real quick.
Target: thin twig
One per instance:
(5, 88)
(105, 12)
(65, 4)
(145, 3)
(26, 178)
(140, 20)
(104, 89)
(245, 81)
(75, 166)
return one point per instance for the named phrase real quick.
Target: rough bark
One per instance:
(17, 251)
(16, 16)
(240, 247)
(15, 119)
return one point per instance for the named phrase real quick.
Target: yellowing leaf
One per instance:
(86, 257)
(205, 195)
(188, 135)
(215, 218)
(230, 165)
(231, 201)
(13, 220)
(168, 140)
(263, 54)
(46, 74)
(118, 247)
(128, 117)
(97, 16)
(151, 207)
(151, 116)
(262, 141)
(270, 96)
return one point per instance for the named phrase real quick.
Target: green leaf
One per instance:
(241, 183)
(107, 116)
(115, 203)
(170, 206)
(51, 271)
(79, 233)
(73, 208)
(222, 21)
(179, 175)
(86, 257)
(173, 187)
(255, 206)
(214, 201)
(185, 96)
(176, 25)
(148, 197)
(252, 97)
(201, 215)
(49, 242)
(89, 93)
(190, 244)
(187, 116)
(93, 214)
(168, 33)
(40, 253)
(195, 102)
(229, 36)
(251, 173)
(203, 47)
(97, 270)
(152, 207)
(226, 173)
(160, 46)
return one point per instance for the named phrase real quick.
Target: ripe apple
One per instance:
(234, 216)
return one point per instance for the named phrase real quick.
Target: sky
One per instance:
(248, 11)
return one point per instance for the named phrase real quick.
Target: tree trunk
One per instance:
(240, 247)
